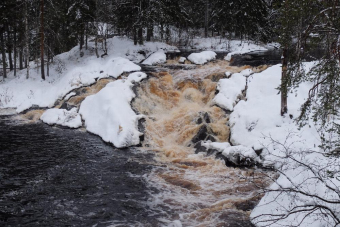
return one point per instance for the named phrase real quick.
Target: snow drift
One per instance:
(109, 115)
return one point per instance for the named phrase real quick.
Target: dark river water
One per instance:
(62, 177)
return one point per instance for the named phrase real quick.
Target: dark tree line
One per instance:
(41, 29)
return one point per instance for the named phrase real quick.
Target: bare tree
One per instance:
(307, 190)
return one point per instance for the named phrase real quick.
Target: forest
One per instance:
(170, 113)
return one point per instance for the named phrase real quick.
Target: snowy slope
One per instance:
(70, 71)
(256, 123)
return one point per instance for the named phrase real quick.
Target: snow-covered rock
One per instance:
(239, 155)
(158, 57)
(229, 90)
(182, 59)
(109, 114)
(202, 58)
(243, 49)
(62, 117)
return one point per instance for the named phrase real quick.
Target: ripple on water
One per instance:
(59, 177)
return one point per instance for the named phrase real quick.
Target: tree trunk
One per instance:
(167, 34)
(15, 51)
(87, 27)
(3, 52)
(21, 66)
(140, 36)
(81, 41)
(135, 40)
(96, 43)
(27, 59)
(149, 33)
(42, 37)
(9, 49)
(284, 80)
(162, 32)
(48, 62)
(206, 18)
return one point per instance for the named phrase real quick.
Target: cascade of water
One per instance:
(197, 189)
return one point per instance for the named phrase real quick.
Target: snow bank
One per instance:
(260, 114)
(158, 57)
(109, 115)
(243, 48)
(257, 123)
(229, 90)
(202, 58)
(223, 44)
(22, 93)
(70, 71)
(62, 117)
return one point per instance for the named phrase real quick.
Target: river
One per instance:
(53, 176)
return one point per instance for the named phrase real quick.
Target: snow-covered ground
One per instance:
(70, 71)
(256, 123)
(109, 114)
(223, 44)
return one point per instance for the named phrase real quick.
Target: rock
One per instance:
(199, 121)
(141, 125)
(199, 148)
(247, 205)
(201, 135)
(142, 52)
(258, 151)
(67, 106)
(215, 77)
(206, 118)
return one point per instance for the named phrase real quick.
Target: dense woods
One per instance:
(31, 28)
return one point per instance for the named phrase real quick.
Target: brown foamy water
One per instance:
(195, 189)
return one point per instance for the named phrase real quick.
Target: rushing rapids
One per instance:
(196, 189)
(180, 187)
